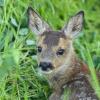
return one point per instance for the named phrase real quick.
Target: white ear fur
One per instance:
(36, 24)
(74, 25)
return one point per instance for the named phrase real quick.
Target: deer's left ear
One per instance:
(36, 23)
(74, 25)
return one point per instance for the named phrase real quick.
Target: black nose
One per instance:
(45, 66)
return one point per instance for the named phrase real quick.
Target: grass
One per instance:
(18, 76)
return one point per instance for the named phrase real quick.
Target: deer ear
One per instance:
(35, 22)
(74, 25)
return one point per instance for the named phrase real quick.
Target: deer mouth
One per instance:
(48, 71)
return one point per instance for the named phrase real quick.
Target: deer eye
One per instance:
(39, 49)
(60, 52)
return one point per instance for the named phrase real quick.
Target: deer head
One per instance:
(54, 47)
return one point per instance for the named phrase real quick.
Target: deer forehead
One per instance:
(53, 40)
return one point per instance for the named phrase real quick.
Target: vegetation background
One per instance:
(19, 79)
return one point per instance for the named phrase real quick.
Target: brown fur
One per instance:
(68, 69)
(75, 76)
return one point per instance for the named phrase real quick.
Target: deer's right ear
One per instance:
(36, 24)
(74, 25)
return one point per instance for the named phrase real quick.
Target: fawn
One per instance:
(57, 59)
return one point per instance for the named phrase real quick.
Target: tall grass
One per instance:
(18, 75)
